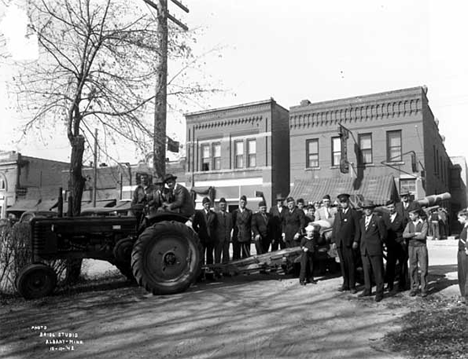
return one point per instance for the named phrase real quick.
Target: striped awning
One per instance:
(378, 189)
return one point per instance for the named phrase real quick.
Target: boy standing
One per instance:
(308, 243)
(416, 234)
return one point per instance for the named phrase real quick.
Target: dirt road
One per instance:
(257, 316)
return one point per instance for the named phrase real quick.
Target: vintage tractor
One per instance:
(163, 255)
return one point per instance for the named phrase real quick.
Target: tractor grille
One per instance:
(39, 237)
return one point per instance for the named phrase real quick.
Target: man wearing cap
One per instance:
(204, 223)
(294, 222)
(326, 212)
(397, 249)
(276, 213)
(373, 235)
(223, 232)
(406, 205)
(142, 196)
(262, 228)
(242, 236)
(345, 237)
(416, 234)
(179, 197)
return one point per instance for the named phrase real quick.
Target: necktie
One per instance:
(327, 213)
(367, 222)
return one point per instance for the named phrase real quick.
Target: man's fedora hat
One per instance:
(169, 177)
(367, 203)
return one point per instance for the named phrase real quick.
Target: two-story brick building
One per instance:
(386, 142)
(239, 150)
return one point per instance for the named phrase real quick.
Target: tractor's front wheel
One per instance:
(166, 258)
(36, 281)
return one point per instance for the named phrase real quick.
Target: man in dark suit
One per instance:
(261, 227)
(204, 223)
(277, 227)
(294, 222)
(223, 233)
(179, 197)
(345, 237)
(373, 235)
(406, 205)
(242, 237)
(397, 249)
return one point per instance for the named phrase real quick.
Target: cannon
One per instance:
(433, 200)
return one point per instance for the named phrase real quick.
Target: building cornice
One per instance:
(358, 109)
(223, 122)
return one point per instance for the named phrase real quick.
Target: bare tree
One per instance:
(95, 70)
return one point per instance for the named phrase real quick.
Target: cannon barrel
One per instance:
(434, 199)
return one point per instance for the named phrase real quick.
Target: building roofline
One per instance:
(364, 98)
(271, 100)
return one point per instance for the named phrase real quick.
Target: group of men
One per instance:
(361, 239)
(358, 238)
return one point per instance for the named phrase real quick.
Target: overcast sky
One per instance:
(317, 50)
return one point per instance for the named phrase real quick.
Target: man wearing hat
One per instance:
(242, 236)
(204, 223)
(223, 232)
(276, 230)
(294, 222)
(326, 212)
(179, 197)
(345, 237)
(373, 235)
(397, 249)
(262, 228)
(143, 197)
(406, 205)
(416, 234)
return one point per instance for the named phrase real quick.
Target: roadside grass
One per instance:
(438, 329)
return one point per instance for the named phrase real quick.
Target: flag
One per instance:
(172, 145)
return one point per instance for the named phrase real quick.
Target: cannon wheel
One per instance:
(36, 281)
(123, 254)
(166, 258)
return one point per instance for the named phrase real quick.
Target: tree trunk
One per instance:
(77, 181)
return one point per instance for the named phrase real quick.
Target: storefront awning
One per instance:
(378, 189)
(25, 205)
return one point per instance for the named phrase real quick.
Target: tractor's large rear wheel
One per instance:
(166, 258)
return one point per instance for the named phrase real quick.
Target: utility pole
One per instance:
(160, 111)
(95, 166)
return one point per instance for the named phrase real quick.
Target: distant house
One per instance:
(28, 183)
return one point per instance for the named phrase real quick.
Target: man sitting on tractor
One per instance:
(179, 199)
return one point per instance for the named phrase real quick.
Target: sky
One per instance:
(305, 49)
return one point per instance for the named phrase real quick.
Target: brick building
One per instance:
(28, 183)
(239, 150)
(375, 146)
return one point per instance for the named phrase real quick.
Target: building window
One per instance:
(336, 151)
(238, 154)
(216, 156)
(394, 150)
(205, 154)
(407, 185)
(365, 146)
(251, 153)
(455, 178)
(312, 151)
